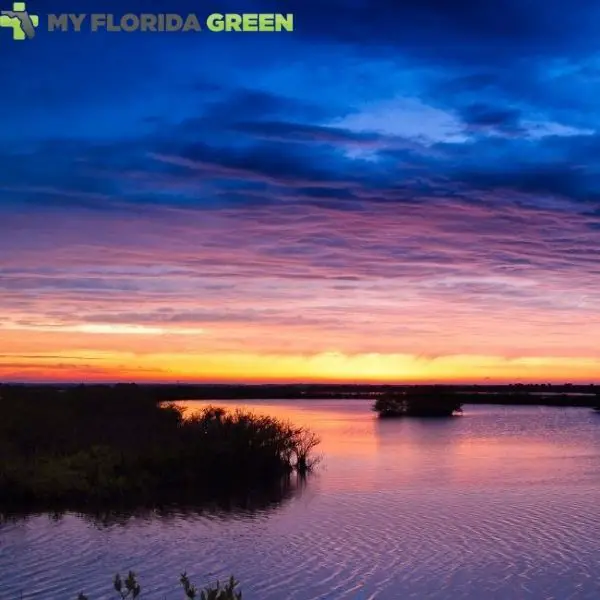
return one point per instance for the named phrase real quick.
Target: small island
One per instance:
(421, 403)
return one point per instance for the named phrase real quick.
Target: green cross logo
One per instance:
(20, 21)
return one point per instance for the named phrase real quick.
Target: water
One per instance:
(501, 503)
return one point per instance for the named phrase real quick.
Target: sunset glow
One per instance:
(306, 208)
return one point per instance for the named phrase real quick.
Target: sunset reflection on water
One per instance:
(344, 432)
(485, 446)
(498, 503)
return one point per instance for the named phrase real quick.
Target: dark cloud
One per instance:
(167, 170)
(290, 132)
(468, 30)
(484, 118)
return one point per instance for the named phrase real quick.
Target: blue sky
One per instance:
(392, 190)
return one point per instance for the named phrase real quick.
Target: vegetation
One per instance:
(117, 446)
(509, 394)
(417, 404)
(129, 588)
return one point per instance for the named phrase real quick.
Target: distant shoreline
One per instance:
(574, 395)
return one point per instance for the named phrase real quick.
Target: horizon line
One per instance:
(300, 383)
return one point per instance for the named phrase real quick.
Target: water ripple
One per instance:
(482, 509)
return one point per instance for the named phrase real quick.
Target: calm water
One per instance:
(499, 503)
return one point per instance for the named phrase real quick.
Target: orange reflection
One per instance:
(344, 431)
(484, 448)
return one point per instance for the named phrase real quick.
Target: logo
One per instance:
(20, 21)
(23, 24)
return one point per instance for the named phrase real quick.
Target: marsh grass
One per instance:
(90, 446)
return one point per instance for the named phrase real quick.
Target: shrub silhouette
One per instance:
(427, 403)
(130, 588)
(115, 446)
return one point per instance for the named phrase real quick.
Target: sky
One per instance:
(394, 191)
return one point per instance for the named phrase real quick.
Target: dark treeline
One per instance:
(526, 394)
(100, 445)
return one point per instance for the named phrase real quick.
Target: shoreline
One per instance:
(566, 395)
